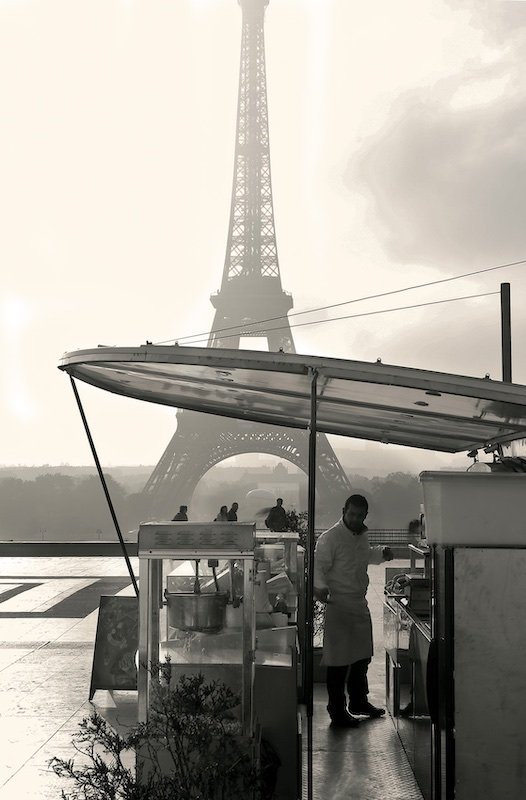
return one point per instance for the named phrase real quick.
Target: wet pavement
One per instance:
(48, 620)
(368, 762)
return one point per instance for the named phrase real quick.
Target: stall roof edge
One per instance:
(460, 412)
(294, 363)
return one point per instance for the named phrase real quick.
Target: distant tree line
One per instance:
(60, 507)
(393, 500)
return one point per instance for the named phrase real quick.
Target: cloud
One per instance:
(446, 177)
(497, 18)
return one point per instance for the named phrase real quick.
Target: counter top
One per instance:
(421, 549)
(423, 625)
(274, 647)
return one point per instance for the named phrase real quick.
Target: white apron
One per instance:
(348, 633)
(340, 565)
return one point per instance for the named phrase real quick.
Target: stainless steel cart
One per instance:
(196, 606)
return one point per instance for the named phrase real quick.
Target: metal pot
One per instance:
(196, 612)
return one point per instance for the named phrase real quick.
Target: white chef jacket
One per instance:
(340, 565)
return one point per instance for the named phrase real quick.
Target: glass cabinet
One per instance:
(197, 607)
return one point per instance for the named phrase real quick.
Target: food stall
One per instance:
(407, 640)
(476, 530)
(283, 559)
(455, 685)
(374, 401)
(204, 607)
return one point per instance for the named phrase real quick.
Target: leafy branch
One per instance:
(191, 748)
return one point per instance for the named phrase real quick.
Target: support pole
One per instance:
(104, 486)
(309, 611)
(505, 327)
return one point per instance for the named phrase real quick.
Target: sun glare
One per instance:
(202, 5)
(14, 314)
(19, 402)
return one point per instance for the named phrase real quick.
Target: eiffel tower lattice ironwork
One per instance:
(250, 291)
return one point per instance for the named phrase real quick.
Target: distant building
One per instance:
(290, 485)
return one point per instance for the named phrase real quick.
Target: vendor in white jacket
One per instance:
(341, 559)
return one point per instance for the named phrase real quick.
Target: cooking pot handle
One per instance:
(214, 563)
(197, 585)
(215, 579)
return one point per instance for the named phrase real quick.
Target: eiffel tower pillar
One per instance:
(250, 302)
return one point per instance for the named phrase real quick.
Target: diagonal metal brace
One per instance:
(104, 486)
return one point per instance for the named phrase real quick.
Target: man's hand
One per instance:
(387, 554)
(321, 594)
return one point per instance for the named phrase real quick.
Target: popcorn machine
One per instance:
(197, 608)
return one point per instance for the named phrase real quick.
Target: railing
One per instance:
(50, 549)
(391, 536)
(396, 538)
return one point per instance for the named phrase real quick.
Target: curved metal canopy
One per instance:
(390, 404)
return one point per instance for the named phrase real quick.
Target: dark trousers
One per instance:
(354, 678)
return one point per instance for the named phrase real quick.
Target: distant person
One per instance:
(182, 515)
(414, 530)
(223, 515)
(232, 514)
(277, 517)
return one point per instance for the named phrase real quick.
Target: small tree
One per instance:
(298, 522)
(190, 748)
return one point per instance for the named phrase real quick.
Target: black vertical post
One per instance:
(105, 487)
(505, 327)
(309, 600)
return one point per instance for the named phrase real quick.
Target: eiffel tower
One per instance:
(250, 291)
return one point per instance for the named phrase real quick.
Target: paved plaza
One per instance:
(48, 620)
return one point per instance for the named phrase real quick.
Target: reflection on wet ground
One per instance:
(48, 619)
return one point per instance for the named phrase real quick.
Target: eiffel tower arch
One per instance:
(202, 440)
(250, 303)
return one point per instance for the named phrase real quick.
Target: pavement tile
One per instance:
(11, 655)
(44, 688)
(32, 782)
(38, 704)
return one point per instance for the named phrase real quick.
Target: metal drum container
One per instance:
(189, 611)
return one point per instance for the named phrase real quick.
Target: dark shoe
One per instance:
(344, 720)
(367, 710)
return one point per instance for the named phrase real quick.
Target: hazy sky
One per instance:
(397, 137)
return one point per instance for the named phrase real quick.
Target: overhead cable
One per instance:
(265, 331)
(342, 303)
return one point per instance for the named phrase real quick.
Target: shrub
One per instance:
(191, 748)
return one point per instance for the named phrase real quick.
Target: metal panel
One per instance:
(399, 405)
(187, 538)
(490, 641)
